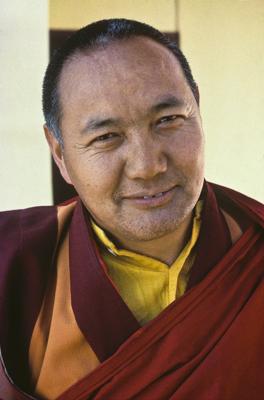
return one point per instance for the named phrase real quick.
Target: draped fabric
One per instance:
(205, 345)
(148, 285)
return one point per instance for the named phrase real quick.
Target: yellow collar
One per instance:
(145, 260)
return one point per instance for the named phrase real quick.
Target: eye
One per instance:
(106, 137)
(107, 140)
(168, 119)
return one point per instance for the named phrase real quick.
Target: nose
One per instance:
(145, 159)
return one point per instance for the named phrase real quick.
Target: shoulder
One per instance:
(24, 232)
(31, 227)
(236, 195)
(239, 206)
(32, 218)
(29, 218)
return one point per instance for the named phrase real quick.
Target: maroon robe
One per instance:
(206, 345)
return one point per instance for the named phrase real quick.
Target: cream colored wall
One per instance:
(24, 157)
(224, 42)
(72, 14)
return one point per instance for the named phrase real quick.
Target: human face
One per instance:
(133, 142)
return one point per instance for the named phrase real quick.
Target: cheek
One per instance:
(93, 176)
(187, 151)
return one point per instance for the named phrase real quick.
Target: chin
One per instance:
(147, 229)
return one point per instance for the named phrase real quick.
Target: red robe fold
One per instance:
(206, 345)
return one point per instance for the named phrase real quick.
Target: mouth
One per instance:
(154, 195)
(144, 200)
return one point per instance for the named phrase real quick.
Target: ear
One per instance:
(197, 95)
(57, 154)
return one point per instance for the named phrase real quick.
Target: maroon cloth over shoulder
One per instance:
(193, 349)
(208, 345)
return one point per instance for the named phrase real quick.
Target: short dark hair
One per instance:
(98, 34)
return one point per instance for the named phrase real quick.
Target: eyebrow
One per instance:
(167, 102)
(98, 123)
(95, 124)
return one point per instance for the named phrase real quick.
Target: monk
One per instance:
(149, 284)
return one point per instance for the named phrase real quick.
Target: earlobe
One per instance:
(57, 154)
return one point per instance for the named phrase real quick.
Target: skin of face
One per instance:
(132, 130)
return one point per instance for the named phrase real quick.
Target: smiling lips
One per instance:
(155, 195)
(155, 200)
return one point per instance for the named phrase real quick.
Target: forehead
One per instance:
(135, 69)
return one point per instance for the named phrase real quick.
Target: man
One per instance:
(150, 284)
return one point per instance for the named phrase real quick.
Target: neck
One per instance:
(166, 248)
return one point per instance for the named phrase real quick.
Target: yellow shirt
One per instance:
(148, 285)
